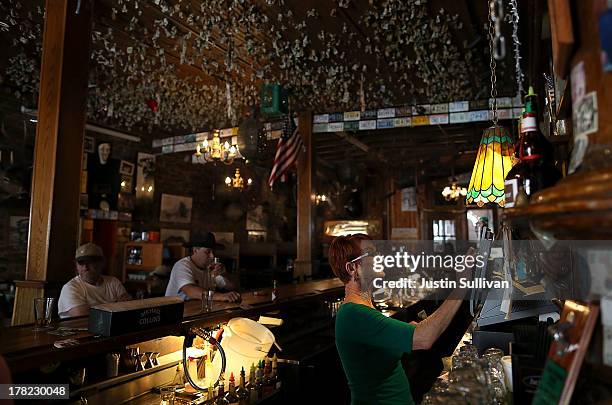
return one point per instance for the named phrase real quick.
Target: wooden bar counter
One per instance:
(25, 349)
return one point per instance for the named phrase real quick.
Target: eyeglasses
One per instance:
(366, 254)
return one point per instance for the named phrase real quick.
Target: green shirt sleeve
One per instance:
(369, 326)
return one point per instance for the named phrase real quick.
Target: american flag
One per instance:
(287, 151)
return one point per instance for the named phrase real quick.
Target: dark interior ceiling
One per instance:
(203, 62)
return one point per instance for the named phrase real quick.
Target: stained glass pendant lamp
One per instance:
(493, 162)
(495, 153)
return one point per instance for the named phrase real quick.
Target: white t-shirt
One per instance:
(185, 272)
(77, 292)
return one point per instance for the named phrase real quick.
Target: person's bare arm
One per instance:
(429, 330)
(81, 310)
(192, 291)
(195, 293)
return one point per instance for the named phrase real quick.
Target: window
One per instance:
(443, 234)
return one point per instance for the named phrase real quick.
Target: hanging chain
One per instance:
(517, 51)
(493, 64)
(496, 8)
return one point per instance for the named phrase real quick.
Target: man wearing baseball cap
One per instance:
(191, 274)
(89, 287)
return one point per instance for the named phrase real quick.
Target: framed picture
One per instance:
(175, 208)
(408, 199)
(224, 238)
(145, 176)
(126, 168)
(257, 219)
(256, 236)
(174, 234)
(88, 144)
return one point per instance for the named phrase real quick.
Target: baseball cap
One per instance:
(89, 251)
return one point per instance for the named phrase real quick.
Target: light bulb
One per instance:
(228, 181)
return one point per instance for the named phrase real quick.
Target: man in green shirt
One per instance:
(370, 344)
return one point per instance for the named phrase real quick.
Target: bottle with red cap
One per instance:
(535, 169)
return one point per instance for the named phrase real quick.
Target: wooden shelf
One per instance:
(578, 207)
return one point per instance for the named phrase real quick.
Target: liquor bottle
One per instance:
(268, 385)
(252, 385)
(274, 291)
(231, 397)
(535, 170)
(210, 398)
(242, 392)
(275, 377)
(259, 381)
(221, 393)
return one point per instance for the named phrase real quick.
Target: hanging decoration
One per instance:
(495, 153)
(454, 191)
(237, 181)
(215, 150)
(186, 55)
(518, 73)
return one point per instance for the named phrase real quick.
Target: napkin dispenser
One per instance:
(118, 318)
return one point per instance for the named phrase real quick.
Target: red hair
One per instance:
(342, 250)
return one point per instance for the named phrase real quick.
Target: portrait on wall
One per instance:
(126, 168)
(175, 208)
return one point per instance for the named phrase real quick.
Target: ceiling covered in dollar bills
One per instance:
(176, 66)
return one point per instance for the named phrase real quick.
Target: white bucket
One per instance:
(245, 342)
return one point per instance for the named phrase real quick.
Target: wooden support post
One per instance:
(303, 263)
(58, 151)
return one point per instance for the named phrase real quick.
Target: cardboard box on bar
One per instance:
(130, 316)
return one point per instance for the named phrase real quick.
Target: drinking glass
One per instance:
(43, 313)
(166, 396)
(207, 300)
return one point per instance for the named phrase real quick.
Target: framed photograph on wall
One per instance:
(175, 208)
(126, 168)
(89, 144)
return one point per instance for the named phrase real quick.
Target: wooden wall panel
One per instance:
(305, 224)
(54, 210)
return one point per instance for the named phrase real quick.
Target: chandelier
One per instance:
(454, 191)
(214, 150)
(237, 181)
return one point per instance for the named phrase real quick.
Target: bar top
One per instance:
(22, 346)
